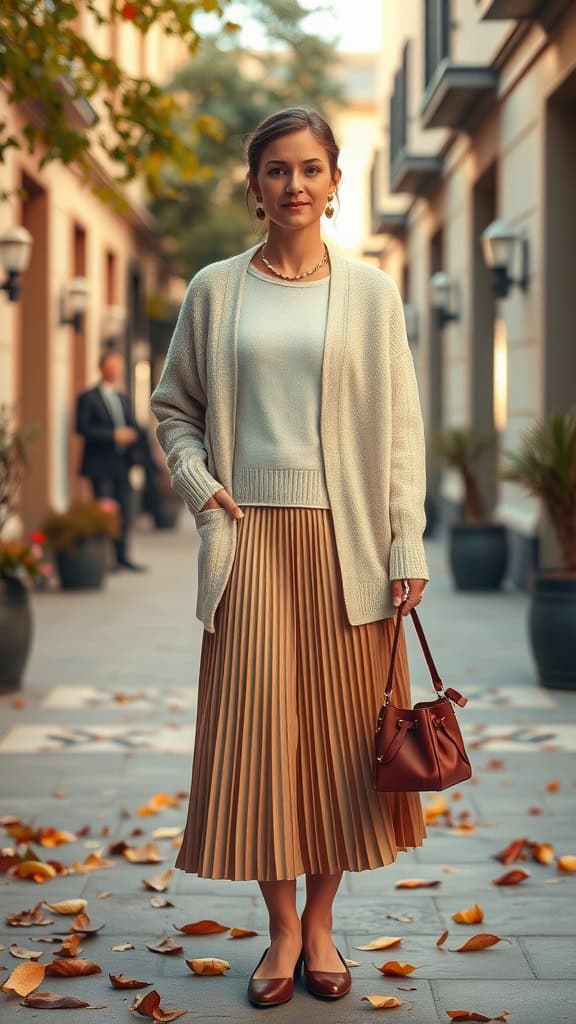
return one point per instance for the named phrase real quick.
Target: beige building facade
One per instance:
(479, 108)
(44, 363)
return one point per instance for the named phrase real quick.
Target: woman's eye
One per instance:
(315, 170)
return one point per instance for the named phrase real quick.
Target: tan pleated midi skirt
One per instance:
(288, 696)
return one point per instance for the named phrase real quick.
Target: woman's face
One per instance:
(294, 179)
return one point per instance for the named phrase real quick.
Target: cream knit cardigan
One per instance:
(371, 429)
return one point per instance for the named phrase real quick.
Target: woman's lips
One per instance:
(295, 206)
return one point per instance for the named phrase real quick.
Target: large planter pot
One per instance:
(84, 568)
(166, 511)
(16, 630)
(478, 556)
(552, 629)
(431, 513)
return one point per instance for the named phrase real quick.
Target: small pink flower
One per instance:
(37, 551)
(46, 570)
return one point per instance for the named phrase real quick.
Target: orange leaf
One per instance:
(396, 967)
(512, 877)
(70, 946)
(442, 939)
(29, 918)
(566, 863)
(73, 967)
(554, 786)
(167, 945)
(241, 933)
(384, 942)
(52, 837)
(149, 853)
(82, 925)
(36, 870)
(417, 883)
(473, 915)
(208, 965)
(149, 1006)
(93, 862)
(160, 882)
(543, 853)
(25, 978)
(514, 851)
(204, 927)
(55, 1001)
(381, 1002)
(473, 1015)
(123, 981)
(68, 906)
(481, 941)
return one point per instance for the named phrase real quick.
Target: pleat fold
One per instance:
(288, 695)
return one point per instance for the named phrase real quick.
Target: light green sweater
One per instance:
(277, 452)
(371, 429)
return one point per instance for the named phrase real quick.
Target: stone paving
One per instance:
(106, 720)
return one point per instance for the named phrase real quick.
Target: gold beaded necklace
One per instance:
(295, 277)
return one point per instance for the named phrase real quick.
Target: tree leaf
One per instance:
(123, 981)
(473, 1015)
(382, 1002)
(149, 853)
(25, 954)
(70, 946)
(472, 915)
(160, 882)
(122, 949)
(481, 941)
(149, 1006)
(81, 924)
(442, 939)
(204, 927)
(384, 942)
(72, 907)
(241, 933)
(566, 863)
(56, 1001)
(160, 901)
(167, 945)
(24, 978)
(73, 967)
(512, 877)
(417, 883)
(29, 918)
(208, 965)
(396, 967)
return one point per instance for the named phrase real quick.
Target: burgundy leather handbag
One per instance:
(419, 748)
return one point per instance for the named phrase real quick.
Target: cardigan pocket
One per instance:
(215, 556)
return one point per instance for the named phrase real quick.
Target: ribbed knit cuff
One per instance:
(408, 560)
(194, 483)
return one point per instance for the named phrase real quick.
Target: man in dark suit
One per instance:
(105, 421)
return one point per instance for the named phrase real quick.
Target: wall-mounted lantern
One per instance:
(411, 318)
(73, 303)
(443, 296)
(15, 252)
(502, 247)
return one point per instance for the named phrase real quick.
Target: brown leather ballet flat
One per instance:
(272, 991)
(328, 984)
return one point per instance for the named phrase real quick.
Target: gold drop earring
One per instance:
(329, 211)
(260, 212)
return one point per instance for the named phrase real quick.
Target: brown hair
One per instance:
(291, 119)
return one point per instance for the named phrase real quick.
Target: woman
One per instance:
(289, 413)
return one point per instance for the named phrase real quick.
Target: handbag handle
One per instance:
(436, 680)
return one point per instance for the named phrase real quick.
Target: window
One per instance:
(399, 108)
(436, 35)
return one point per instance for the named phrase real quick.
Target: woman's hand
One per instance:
(221, 499)
(406, 594)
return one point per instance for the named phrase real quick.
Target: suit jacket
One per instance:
(95, 424)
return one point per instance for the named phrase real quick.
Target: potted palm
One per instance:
(79, 538)
(545, 466)
(478, 549)
(21, 561)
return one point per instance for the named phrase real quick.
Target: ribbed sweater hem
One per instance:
(279, 485)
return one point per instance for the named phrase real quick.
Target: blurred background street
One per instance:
(122, 173)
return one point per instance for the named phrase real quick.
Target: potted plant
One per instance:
(79, 538)
(545, 466)
(478, 549)
(165, 504)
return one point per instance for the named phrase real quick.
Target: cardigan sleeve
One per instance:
(408, 461)
(179, 404)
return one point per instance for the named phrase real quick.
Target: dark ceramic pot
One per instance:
(84, 568)
(478, 556)
(16, 631)
(166, 511)
(552, 629)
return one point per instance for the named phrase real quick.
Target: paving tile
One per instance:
(529, 1002)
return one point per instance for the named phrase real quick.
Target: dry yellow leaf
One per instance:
(481, 941)
(208, 965)
(36, 870)
(25, 978)
(384, 942)
(167, 833)
(241, 933)
(566, 863)
(382, 1002)
(543, 853)
(417, 883)
(472, 915)
(68, 906)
